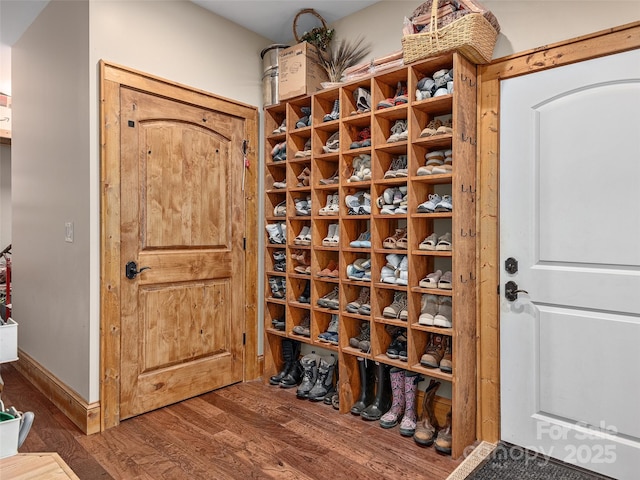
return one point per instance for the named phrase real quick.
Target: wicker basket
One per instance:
(472, 35)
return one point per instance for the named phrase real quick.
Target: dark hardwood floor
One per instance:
(248, 430)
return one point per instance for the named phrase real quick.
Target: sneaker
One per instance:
(330, 300)
(444, 205)
(430, 205)
(303, 328)
(353, 307)
(363, 241)
(333, 144)
(398, 132)
(364, 335)
(399, 303)
(362, 96)
(335, 112)
(332, 329)
(401, 94)
(443, 316)
(428, 309)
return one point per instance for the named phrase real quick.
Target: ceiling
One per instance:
(272, 19)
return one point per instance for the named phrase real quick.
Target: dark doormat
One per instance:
(509, 462)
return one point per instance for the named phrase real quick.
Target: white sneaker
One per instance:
(445, 204)
(430, 205)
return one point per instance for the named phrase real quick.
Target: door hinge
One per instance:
(498, 289)
(244, 339)
(244, 243)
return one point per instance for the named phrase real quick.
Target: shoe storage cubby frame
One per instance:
(460, 106)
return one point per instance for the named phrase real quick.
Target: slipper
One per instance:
(445, 128)
(445, 281)
(429, 243)
(302, 269)
(304, 237)
(442, 169)
(329, 270)
(403, 242)
(425, 170)
(444, 243)
(435, 158)
(431, 128)
(392, 241)
(431, 280)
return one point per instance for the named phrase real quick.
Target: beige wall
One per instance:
(524, 24)
(50, 186)
(5, 196)
(55, 151)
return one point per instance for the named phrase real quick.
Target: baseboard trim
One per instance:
(86, 416)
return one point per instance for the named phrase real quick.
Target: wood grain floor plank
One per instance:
(245, 431)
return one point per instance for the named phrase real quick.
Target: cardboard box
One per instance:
(9, 341)
(298, 73)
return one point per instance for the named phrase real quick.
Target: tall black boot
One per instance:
(287, 357)
(382, 403)
(367, 385)
(294, 373)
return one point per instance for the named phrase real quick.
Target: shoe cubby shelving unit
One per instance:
(460, 106)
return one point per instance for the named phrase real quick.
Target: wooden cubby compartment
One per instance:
(460, 107)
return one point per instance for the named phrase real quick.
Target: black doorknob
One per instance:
(131, 270)
(511, 291)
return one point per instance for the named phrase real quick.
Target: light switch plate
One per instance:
(68, 232)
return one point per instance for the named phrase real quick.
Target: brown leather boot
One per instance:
(444, 440)
(427, 427)
(434, 351)
(446, 364)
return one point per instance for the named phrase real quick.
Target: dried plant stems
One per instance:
(336, 59)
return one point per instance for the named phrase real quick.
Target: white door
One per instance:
(570, 216)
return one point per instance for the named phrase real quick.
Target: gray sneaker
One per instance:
(304, 327)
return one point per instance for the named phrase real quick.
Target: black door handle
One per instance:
(131, 270)
(511, 291)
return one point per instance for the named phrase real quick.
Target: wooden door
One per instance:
(182, 218)
(570, 217)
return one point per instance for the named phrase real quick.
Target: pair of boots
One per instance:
(373, 377)
(428, 432)
(317, 377)
(404, 386)
(291, 372)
